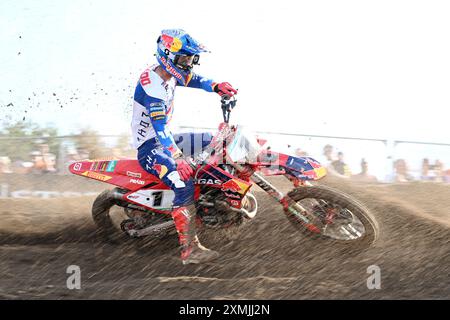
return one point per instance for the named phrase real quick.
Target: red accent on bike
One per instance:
(196, 192)
(312, 228)
(285, 203)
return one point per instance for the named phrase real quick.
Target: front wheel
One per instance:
(340, 218)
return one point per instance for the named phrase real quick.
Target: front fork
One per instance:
(290, 207)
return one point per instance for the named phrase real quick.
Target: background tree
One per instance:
(89, 141)
(18, 140)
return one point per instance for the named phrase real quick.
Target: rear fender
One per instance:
(126, 174)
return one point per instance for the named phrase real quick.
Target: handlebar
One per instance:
(228, 103)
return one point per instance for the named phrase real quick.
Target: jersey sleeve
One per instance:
(158, 118)
(199, 82)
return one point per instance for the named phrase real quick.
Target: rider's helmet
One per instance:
(177, 53)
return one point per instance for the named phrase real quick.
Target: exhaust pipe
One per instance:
(152, 230)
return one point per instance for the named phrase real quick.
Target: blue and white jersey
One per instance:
(153, 98)
(153, 107)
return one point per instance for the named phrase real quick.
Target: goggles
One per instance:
(186, 62)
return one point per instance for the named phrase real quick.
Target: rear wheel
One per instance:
(107, 217)
(113, 221)
(339, 218)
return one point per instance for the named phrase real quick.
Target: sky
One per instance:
(374, 69)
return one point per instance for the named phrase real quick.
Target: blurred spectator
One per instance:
(446, 176)
(48, 158)
(328, 154)
(38, 162)
(432, 172)
(5, 165)
(22, 167)
(401, 173)
(427, 174)
(327, 158)
(295, 151)
(340, 166)
(43, 160)
(300, 153)
(439, 171)
(364, 174)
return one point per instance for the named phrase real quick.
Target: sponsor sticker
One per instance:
(235, 203)
(111, 166)
(160, 169)
(235, 186)
(134, 174)
(94, 166)
(171, 70)
(136, 181)
(209, 181)
(157, 113)
(77, 166)
(231, 195)
(231, 185)
(96, 176)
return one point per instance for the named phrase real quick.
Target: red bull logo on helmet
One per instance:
(171, 43)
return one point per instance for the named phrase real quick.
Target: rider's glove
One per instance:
(184, 169)
(224, 88)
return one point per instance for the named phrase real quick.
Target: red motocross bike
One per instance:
(224, 173)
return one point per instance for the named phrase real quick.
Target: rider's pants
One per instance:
(159, 162)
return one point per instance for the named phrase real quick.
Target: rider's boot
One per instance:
(192, 250)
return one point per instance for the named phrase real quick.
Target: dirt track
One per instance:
(39, 239)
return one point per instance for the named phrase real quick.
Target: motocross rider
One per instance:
(158, 153)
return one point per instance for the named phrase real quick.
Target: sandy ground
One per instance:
(269, 259)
